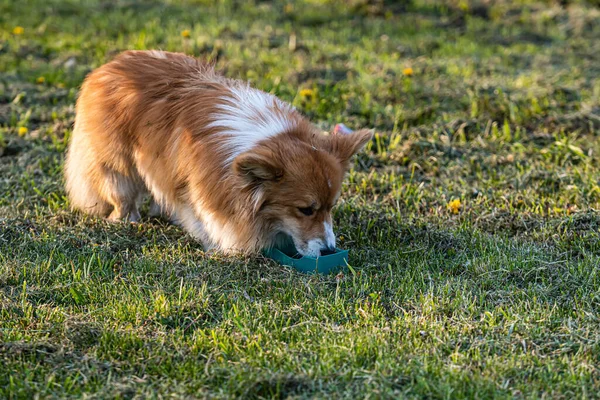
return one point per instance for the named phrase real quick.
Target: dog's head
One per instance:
(295, 183)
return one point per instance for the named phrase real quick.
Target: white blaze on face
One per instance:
(314, 246)
(329, 235)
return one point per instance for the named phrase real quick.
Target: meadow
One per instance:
(471, 218)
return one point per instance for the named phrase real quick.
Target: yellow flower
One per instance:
(22, 130)
(185, 33)
(289, 7)
(18, 30)
(40, 79)
(454, 206)
(306, 93)
(408, 71)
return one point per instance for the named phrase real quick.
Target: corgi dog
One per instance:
(236, 167)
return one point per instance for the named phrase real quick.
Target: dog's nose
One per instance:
(325, 251)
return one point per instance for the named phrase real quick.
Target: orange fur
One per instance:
(165, 123)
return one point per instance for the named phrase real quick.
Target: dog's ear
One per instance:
(345, 143)
(256, 168)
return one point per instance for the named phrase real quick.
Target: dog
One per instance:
(238, 168)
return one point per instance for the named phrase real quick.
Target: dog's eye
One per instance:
(308, 211)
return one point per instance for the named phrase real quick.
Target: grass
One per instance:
(496, 295)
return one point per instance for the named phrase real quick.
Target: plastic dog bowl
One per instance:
(323, 264)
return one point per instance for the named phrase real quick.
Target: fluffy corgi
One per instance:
(235, 166)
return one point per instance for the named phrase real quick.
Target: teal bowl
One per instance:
(330, 263)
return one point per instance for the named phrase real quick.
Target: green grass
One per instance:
(500, 300)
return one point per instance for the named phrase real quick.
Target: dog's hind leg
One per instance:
(100, 176)
(80, 173)
(123, 194)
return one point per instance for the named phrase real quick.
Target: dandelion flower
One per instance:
(18, 30)
(186, 33)
(40, 79)
(454, 206)
(289, 7)
(408, 71)
(306, 93)
(23, 130)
